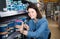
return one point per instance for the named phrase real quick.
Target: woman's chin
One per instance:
(32, 18)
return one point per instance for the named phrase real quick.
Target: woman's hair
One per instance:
(32, 5)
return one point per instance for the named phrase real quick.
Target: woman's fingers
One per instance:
(22, 23)
(17, 26)
(26, 26)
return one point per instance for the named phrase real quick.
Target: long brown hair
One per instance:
(32, 5)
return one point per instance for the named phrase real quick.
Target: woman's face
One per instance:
(32, 13)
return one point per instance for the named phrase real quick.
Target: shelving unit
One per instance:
(6, 18)
(11, 13)
(9, 16)
(59, 20)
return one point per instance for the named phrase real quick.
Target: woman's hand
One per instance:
(20, 27)
(26, 26)
(25, 32)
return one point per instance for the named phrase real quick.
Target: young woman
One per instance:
(37, 26)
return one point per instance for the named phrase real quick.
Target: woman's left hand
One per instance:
(26, 27)
(25, 32)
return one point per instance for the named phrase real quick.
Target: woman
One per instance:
(37, 26)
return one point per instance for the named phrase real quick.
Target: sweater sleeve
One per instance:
(39, 31)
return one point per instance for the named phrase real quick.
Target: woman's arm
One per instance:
(38, 32)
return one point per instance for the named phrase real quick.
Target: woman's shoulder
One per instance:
(30, 21)
(43, 20)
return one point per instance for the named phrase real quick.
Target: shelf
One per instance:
(13, 35)
(10, 13)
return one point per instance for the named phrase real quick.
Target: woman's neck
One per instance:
(35, 19)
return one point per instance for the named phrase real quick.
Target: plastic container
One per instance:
(3, 28)
(17, 22)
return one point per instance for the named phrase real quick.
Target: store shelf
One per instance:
(13, 35)
(10, 13)
(59, 20)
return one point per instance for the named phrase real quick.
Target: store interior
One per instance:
(12, 10)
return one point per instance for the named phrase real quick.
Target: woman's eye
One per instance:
(28, 12)
(32, 11)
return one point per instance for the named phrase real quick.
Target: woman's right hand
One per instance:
(20, 27)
